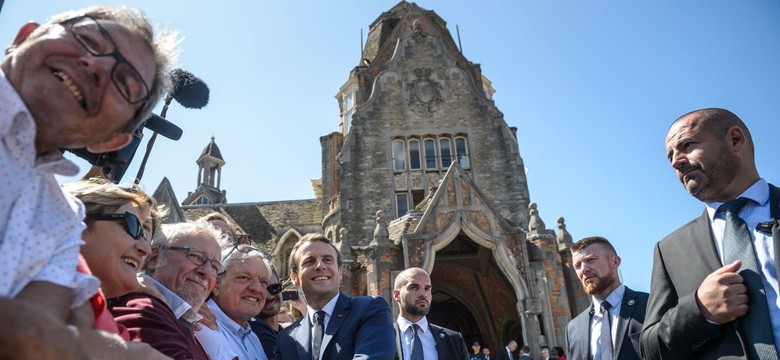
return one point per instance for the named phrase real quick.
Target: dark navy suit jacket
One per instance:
(629, 327)
(359, 328)
(449, 343)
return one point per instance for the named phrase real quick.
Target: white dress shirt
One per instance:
(426, 338)
(328, 309)
(753, 213)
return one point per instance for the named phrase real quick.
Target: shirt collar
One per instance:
(328, 308)
(758, 192)
(180, 308)
(404, 323)
(613, 298)
(226, 322)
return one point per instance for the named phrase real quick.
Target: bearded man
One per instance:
(610, 327)
(416, 338)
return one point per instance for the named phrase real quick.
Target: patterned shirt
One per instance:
(40, 225)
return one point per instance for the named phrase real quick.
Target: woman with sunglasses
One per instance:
(120, 225)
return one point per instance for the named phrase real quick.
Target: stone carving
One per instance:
(424, 93)
(536, 222)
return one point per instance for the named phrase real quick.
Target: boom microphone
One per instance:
(188, 90)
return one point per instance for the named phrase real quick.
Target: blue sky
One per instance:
(591, 86)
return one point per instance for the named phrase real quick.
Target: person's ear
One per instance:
(22, 35)
(736, 137)
(294, 278)
(396, 294)
(113, 143)
(151, 260)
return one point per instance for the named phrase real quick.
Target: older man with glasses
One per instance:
(183, 267)
(84, 79)
(240, 294)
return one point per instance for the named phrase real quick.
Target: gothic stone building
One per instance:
(422, 171)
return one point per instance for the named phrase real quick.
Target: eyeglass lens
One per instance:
(97, 41)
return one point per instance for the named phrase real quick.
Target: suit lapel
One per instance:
(627, 308)
(336, 319)
(439, 338)
(301, 334)
(582, 343)
(774, 212)
(398, 349)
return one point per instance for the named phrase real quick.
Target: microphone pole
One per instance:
(150, 144)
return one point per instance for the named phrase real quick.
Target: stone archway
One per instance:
(472, 295)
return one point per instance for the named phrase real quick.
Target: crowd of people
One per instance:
(87, 270)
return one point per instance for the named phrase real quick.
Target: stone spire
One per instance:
(536, 222)
(564, 238)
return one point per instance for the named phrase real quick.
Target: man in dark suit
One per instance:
(698, 300)
(341, 327)
(507, 352)
(412, 292)
(613, 304)
(525, 353)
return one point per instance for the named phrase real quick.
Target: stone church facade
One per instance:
(422, 171)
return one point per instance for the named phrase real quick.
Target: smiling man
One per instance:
(86, 78)
(416, 338)
(183, 267)
(240, 295)
(609, 328)
(336, 326)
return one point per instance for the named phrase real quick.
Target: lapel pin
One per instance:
(441, 335)
(340, 315)
(631, 302)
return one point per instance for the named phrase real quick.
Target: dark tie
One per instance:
(606, 331)
(317, 333)
(738, 245)
(417, 350)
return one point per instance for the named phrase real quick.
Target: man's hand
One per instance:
(209, 320)
(722, 297)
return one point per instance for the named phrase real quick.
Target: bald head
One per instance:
(717, 122)
(712, 153)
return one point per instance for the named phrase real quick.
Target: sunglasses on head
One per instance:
(132, 224)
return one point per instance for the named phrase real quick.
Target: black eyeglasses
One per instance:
(242, 248)
(133, 226)
(198, 258)
(98, 42)
(274, 289)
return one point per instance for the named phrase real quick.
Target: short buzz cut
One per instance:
(588, 241)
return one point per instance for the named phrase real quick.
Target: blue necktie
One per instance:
(317, 334)
(738, 245)
(417, 349)
(605, 339)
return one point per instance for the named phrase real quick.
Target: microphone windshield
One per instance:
(188, 90)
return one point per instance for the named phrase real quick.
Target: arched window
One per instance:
(461, 152)
(446, 152)
(399, 162)
(430, 153)
(414, 154)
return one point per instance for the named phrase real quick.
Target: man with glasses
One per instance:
(85, 79)
(183, 267)
(266, 324)
(239, 295)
